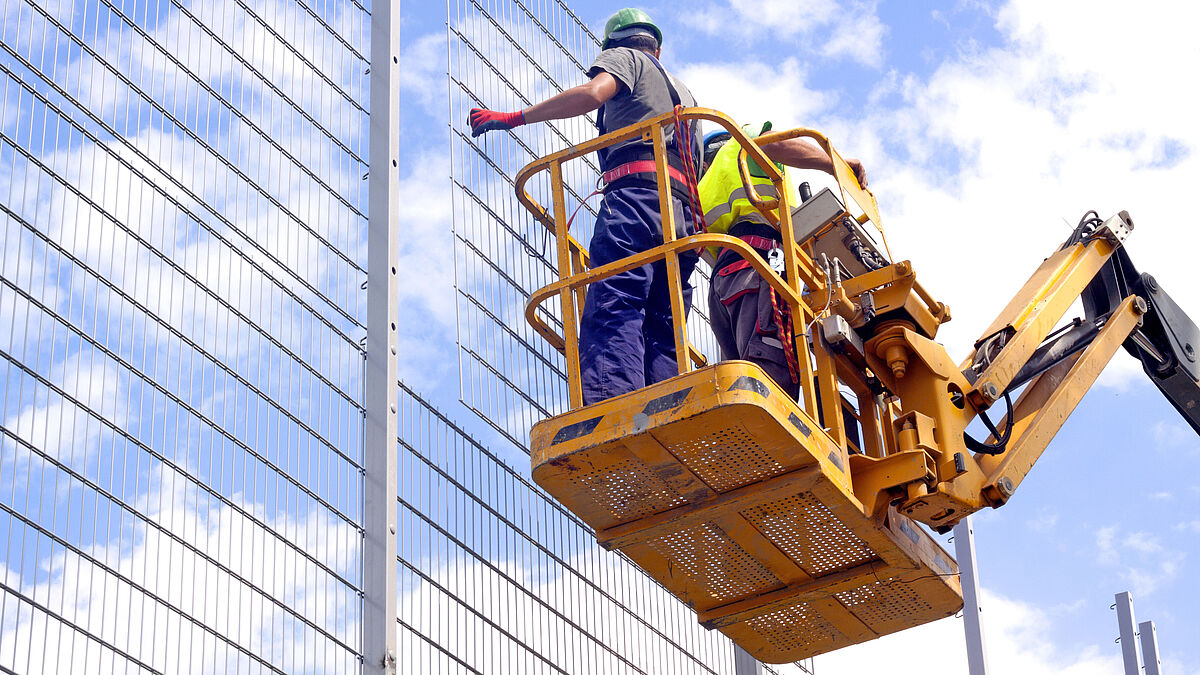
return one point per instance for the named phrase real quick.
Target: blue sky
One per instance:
(987, 129)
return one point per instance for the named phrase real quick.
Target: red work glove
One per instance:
(482, 120)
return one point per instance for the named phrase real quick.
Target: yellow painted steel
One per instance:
(762, 513)
(740, 504)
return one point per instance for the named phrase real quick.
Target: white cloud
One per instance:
(1016, 635)
(1138, 558)
(987, 163)
(60, 428)
(1044, 522)
(850, 31)
(1173, 436)
(422, 73)
(738, 90)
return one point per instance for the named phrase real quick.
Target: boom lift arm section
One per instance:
(1167, 341)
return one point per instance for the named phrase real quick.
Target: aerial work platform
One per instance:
(728, 494)
(798, 527)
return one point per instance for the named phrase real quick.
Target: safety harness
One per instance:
(688, 176)
(785, 329)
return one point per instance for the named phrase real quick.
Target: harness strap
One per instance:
(756, 241)
(638, 167)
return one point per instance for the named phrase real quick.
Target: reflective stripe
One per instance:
(726, 207)
(723, 196)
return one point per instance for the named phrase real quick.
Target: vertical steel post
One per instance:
(1129, 650)
(379, 381)
(744, 664)
(1149, 639)
(964, 550)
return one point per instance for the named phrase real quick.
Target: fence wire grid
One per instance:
(181, 227)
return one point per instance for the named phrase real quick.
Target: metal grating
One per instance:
(798, 626)
(715, 562)
(884, 601)
(507, 54)
(628, 490)
(181, 216)
(726, 459)
(810, 534)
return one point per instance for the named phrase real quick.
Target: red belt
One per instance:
(755, 241)
(760, 243)
(641, 166)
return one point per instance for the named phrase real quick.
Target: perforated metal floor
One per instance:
(741, 506)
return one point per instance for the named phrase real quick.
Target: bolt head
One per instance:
(990, 392)
(1006, 487)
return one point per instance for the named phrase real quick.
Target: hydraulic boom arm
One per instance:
(1021, 348)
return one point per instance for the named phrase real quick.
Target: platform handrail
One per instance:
(697, 241)
(844, 176)
(798, 268)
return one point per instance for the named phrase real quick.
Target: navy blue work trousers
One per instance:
(626, 339)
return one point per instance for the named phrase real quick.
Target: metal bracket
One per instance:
(1116, 229)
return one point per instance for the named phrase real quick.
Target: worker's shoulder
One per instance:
(623, 57)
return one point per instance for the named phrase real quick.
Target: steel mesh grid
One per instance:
(497, 577)
(508, 54)
(181, 302)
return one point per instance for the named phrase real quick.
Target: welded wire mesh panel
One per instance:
(496, 577)
(506, 55)
(181, 309)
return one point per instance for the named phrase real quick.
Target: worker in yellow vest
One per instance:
(745, 314)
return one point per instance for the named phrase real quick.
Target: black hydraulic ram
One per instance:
(1167, 340)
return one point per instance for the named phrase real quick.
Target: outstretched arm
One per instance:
(803, 153)
(573, 102)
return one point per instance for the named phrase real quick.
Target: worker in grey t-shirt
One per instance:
(626, 338)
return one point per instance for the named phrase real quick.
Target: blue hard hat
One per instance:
(713, 135)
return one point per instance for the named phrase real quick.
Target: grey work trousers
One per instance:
(743, 319)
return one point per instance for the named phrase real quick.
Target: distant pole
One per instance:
(1149, 638)
(968, 575)
(1129, 650)
(744, 664)
(380, 392)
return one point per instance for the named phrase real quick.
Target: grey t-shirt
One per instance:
(643, 92)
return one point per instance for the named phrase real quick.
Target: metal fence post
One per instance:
(379, 381)
(1129, 650)
(964, 550)
(744, 664)
(1149, 638)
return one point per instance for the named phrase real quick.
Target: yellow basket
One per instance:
(727, 493)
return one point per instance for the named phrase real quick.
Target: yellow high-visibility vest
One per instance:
(722, 195)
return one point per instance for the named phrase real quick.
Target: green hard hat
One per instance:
(628, 18)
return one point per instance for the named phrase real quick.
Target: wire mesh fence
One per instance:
(181, 218)
(506, 55)
(183, 222)
(497, 577)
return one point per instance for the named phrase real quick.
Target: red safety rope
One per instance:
(581, 203)
(689, 168)
(783, 320)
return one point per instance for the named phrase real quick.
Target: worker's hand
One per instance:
(482, 120)
(859, 172)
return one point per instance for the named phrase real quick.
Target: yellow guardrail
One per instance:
(573, 266)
